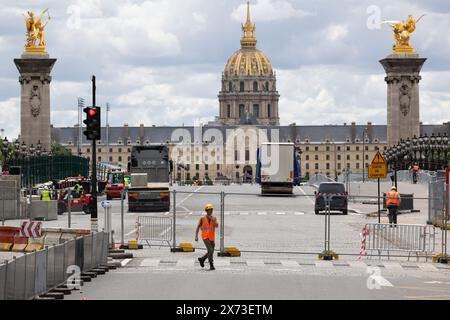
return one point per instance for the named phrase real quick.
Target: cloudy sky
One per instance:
(159, 62)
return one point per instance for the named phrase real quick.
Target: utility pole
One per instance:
(80, 124)
(107, 132)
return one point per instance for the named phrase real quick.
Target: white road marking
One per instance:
(262, 213)
(280, 213)
(222, 262)
(308, 197)
(190, 195)
(227, 213)
(185, 263)
(131, 232)
(324, 264)
(165, 231)
(381, 281)
(244, 213)
(150, 263)
(255, 263)
(125, 262)
(290, 263)
(299, 213)
(427, 267)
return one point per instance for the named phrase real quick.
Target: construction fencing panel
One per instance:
(51, 282)
(60, 270)
(3, 281)
(152, 228)
(436, 193)
(11, 280)
(407, 238)
(40, 278)
(87, 256)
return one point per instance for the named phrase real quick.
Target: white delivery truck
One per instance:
(277, 168)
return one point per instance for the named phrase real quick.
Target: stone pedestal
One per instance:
(403, 112)
(35, 81)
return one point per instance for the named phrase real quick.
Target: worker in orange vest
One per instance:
(392, 203)
(208, 224)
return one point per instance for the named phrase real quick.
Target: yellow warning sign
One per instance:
(378, 159)
(377, 171)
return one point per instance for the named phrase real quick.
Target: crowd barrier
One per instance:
(35, 273)
(150, 228)
(417, 239)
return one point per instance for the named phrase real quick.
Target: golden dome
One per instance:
(248, 61)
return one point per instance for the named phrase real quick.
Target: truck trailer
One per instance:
(277, 169)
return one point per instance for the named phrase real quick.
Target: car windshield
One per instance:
(331, 188)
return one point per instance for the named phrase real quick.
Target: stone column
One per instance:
(35, 81)
(403, 112)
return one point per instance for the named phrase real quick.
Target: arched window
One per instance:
(267, 85)
(241, 86)
(230, 86)
(269, 111)
(228, 111)
(255, 86)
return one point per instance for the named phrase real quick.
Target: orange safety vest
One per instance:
(208, 229)
(392, 197)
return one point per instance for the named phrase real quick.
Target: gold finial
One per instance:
(35, 31)
(248, 31)
(402, 31)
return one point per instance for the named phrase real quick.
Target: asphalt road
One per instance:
(242, 279)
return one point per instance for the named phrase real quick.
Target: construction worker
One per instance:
(392, 203)
(77, 188)
(45, 194)
(208, 224)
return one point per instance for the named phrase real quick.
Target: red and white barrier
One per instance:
(31, 229)
(363, 251)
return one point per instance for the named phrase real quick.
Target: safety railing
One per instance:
(35, 273)
(417, 239)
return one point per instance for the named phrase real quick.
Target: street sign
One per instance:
(378, 159)
(377, 170)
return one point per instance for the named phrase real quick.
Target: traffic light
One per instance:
(92, 122)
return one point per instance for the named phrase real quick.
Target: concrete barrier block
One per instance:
(5, 246)
(19, 247)
(34, 247)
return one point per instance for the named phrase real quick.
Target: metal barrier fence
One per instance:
(150, 228)
(35, 273)
(418, 239)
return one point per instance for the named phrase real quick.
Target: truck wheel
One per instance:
(85, 209)
(108, 197)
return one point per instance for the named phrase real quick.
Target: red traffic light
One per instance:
(91, 112)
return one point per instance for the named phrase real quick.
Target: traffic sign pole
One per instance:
(379, 212)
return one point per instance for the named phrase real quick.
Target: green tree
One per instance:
(59, 150)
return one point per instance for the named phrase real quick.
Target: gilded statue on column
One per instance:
(35, 41)
(402, 31)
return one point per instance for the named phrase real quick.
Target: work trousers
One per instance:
(210, 254)
(392, 214)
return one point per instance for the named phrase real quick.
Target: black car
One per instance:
(339, 201)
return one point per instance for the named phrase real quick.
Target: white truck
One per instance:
(277, 168)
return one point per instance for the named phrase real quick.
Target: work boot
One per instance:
(202, 262)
